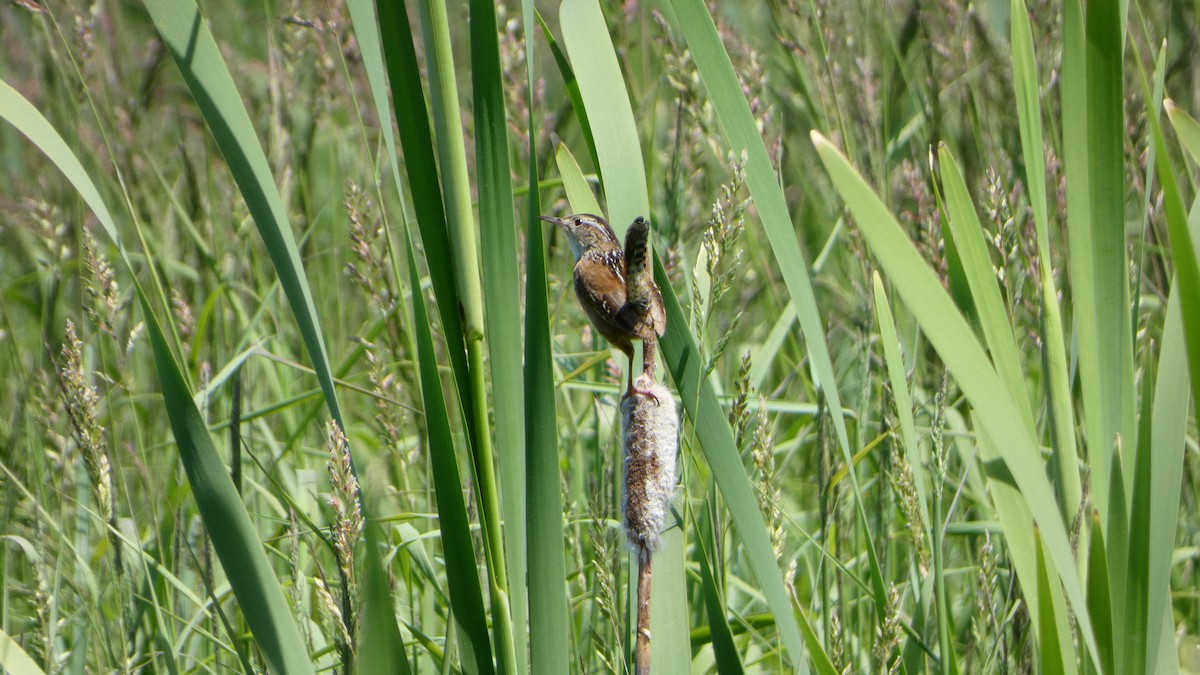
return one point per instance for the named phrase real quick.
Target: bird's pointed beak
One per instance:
(551, 219)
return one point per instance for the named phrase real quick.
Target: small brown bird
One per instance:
(616, 286)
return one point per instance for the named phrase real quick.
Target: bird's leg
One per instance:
(648, 368)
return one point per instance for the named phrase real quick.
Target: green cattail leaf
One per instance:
(1138, 562)
(1187, 130)
(1099, 599)
(450, 143)
(968, 235)
(741, 132)
(900, 392)
(1058, 390)
(967, 231)
(602, 90)
(568, 76)
(549, 613)
(381, 650)
(618, 149)
(14, 660)
(579, 193)
(1168, 442)
(404, 75)
(1093, 157)
(712, 429)
(462, 577)
(186, 35)
(947, 330)
(1181, 335)
(549, 623)
(669, 609)
(233, 535)
(502, 298)
(1054, 641)
(724, 649)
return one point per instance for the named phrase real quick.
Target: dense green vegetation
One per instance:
(933, 298)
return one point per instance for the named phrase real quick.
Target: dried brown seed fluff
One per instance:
(651, 439)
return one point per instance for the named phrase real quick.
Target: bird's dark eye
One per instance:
(579, 221)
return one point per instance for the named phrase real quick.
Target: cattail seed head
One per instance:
(651, 440)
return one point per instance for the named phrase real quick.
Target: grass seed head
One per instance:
(82, 402)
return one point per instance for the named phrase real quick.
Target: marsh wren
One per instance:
(616, 286)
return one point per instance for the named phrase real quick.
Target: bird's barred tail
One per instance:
(638, 274)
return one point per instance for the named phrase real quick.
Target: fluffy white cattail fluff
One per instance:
(651, 439)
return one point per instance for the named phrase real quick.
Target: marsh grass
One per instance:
(934, 362)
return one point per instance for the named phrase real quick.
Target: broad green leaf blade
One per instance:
(1184, 251)
(606, 99)
(1168, 432)
(416, 139)
(1054, 641)
(985, 292)
(951, 336)
(899, 382)
(1029, 110)
(1076, 165)
(669, 618)
(568, 76)
(549, 623)
(187, 37)
(1099, 601)
(1108, 369)
(463, 260)
(733, 112)
(585, 35)
(448, 141)
(1186, 128)
(579, 193)
(234, 538)
(1118, 542)
(720, 450)
(14, 660)
(1181, 345)
(233, 534)
(724, 650)
(381, 650)
(1137, 589)
(549, 616)
(1058, 387)
(501, 282)
(967, 233)
(462, 577)
(19, 112)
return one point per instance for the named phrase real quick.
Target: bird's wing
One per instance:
(605, 297)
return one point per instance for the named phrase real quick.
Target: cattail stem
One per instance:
(649, 352)
(642, 649)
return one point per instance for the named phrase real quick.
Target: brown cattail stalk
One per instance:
(641, 654)
(651, 440)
